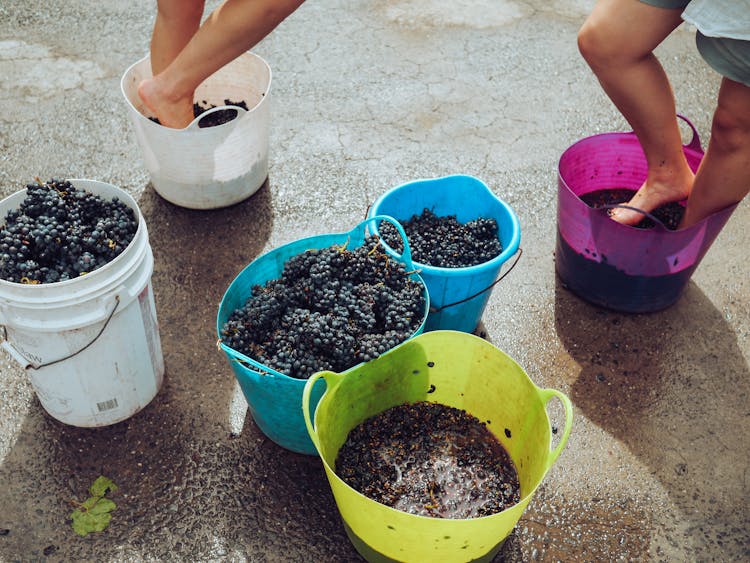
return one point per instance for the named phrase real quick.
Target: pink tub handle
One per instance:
(695, 142)
(656, 221)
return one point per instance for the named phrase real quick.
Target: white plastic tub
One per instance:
(212, 167)
(90, 345)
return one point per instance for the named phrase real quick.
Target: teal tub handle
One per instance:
(240, 357)
(406, 254)
(332, 380)
(546, 395)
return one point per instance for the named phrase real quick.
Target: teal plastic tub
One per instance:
(274, 399)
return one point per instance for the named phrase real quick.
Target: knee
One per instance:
(730, 131)
(594, 46)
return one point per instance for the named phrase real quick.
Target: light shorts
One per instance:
(728, 57)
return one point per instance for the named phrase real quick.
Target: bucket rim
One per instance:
(542, 393)
(141, 231)
(267, 371)
(693, 146)
(660, 231)
(249, 111)
(509, 250)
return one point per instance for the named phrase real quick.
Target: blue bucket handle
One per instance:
(242, 358)
(481, 291)
(405, 257)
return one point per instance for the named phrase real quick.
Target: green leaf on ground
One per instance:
(101, 487)
(93, 515)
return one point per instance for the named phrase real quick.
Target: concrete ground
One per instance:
(367, 96)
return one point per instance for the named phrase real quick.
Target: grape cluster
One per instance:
(60, 232)
(330, 309)
(443, 242)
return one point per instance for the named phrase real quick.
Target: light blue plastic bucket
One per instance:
(275, 399)
(458, 296)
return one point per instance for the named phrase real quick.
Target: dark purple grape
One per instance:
(60, 232)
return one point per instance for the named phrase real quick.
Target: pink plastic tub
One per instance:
(613, 265)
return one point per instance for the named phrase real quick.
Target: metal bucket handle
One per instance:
(267, 370)
(481, 291)
(30, 364)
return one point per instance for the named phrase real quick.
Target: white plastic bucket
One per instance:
(211, 167)
(90, 345)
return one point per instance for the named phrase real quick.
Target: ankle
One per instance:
(680, 177)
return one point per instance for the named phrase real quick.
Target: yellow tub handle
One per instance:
(332, 380)
(546, 395)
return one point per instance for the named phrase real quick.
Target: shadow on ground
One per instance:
(183, 475)
(652, 382)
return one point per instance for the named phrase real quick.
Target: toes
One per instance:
(625, 216)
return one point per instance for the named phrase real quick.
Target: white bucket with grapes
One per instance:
(77, 309)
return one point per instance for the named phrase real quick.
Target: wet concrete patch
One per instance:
(596, 529)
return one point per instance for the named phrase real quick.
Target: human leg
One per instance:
(176, 23)
(617, 41)
(723, 177)
(233, 28)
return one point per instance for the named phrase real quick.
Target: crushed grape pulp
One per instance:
(670, 214)
(429, 459)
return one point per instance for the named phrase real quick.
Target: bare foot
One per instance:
(176, 113)
(653, 195)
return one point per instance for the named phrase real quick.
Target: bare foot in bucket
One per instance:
(653, 195)
(171, 112)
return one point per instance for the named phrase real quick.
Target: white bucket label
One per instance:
(107, 405)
